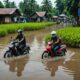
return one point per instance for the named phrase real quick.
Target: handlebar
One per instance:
(13, 42)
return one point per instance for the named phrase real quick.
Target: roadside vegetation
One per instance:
(12, 28)
(70, 36)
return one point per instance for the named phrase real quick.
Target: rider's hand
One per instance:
(19, 41)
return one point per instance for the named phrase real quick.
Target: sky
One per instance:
(38, 1)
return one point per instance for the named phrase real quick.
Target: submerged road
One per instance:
(31, 67)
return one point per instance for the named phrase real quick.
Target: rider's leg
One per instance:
(21, 47)
(57, 47)
(18, 47)
(53, 50)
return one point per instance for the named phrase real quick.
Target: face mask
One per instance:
(53, 35)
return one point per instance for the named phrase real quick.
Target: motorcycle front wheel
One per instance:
(7, 54)
(45, 55)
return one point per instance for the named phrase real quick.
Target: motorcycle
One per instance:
(49, 53)
(13, 51)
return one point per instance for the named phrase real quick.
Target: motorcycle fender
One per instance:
(8, 51)
(28, 47)
(45, 51)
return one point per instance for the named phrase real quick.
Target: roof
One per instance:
(41, 14)
(55, 17)
(62, 15)
(7, 11)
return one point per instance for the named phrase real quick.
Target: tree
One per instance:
(34, 6)
(21, 6)
(25, 7)
(72, 7)
(28, 7)
(1, 5)
(47, 6)
(12, 5)
(60, 6)
(55, 12)
(7, 3)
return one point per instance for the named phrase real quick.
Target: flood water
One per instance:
(31, 67)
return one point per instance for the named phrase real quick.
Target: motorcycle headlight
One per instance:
(10, 46)
(16, 44)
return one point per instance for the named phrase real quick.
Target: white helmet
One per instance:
(20, 30)
(53, 32)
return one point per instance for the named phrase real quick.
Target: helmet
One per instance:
(53, 32)
(20, 30)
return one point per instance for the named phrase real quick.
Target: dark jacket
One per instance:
(56, 40)
(22, 39)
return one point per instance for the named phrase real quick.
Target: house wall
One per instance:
(7, 19)
(1, 19)
(10, 18)
(34, 16)
(38, 19)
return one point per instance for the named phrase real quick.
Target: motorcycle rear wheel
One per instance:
(63, 53)
(26, 52)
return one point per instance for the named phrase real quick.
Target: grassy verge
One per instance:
(12, 28)
(70, 36)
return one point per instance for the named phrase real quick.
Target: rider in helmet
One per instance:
(21, 40)
(56, 41)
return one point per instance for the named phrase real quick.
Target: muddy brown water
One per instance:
(31, 67)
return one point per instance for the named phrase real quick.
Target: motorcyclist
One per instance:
(21, 40)
(56, 41)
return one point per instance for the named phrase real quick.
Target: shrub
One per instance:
(70, 36)
(3, 32)
(12, 28)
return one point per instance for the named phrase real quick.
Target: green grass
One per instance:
(12, 28)
(48, 37)
(70, 36)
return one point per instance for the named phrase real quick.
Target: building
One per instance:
(55, 18)
(62, 18)
(9, 15)
(38, 16)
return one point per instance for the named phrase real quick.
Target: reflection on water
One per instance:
(58, 70)
(52, 66)
(30, 68)
(17, 65)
